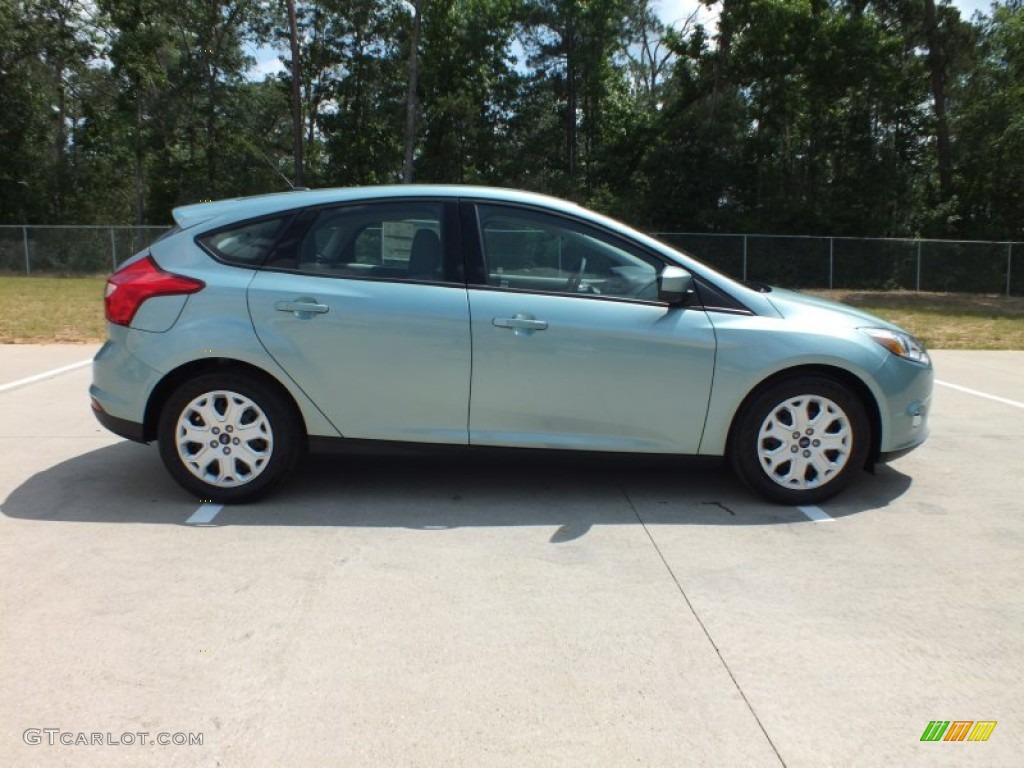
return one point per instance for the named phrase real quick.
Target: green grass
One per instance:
(40, 310)
(946, 320)
(44, 310)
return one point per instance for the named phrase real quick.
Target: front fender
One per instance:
(753, 349)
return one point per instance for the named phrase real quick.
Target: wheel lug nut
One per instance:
(236, 441)
(807, 454)
(796, 435)
(816, 443)
(794, 449)
(230, 429)
(227, 451)
(213, 443)
(810, 431)
(216, 430)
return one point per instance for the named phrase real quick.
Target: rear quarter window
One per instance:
(246, 245)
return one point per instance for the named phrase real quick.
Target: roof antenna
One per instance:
(258, 152)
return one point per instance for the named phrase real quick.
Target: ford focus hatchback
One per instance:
(262, 327)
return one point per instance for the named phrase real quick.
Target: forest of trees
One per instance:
(842, 117)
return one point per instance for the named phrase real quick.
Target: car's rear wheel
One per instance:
(228, 438)
(801, 440)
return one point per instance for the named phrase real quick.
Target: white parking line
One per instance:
(45, 375)
(817, 514)
(976, 393)
(205, 514)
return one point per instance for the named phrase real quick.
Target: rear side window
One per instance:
(246, 245)
(395, 240)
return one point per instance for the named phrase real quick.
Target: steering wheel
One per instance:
(573, 285)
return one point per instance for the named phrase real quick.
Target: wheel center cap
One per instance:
(224, 439)
(804, 441)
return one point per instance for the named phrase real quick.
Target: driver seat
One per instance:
(425, 256)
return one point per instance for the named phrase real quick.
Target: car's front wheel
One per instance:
(228, 438)
(801, 440)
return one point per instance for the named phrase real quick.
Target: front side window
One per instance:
(384, 241)
(533, 251)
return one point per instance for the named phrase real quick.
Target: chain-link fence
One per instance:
(70, 250)
(973, 266)
(960, 266)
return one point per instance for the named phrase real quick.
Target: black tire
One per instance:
(258, 440)
(825, 459)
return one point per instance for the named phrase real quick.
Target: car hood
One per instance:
(812, 309)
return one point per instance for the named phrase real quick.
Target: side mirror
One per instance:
(675, 285)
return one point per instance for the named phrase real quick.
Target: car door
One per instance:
(366, 311)
(571, 348)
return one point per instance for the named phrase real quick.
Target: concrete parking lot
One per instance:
(507, 612)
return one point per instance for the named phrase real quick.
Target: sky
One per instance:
(672, 12)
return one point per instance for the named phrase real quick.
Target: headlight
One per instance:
(900, 344)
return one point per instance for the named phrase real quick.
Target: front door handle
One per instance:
(302, 307)
(521, 322)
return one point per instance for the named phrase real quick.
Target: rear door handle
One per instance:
(523, 322)
(302, 307)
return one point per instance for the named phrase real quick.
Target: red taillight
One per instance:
(129, 287)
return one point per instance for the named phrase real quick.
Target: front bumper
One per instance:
(907, 389)
(888, 456)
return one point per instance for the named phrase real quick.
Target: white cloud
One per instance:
(267, 63)
(675, 12)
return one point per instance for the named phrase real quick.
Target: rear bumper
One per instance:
(122, 427)
(121, 386)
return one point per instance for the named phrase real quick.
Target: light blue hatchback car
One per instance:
(261, 327)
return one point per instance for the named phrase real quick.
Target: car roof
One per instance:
(187, 216)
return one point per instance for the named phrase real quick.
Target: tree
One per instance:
(988, 125)
(575, 47)
(296, 76)
(48, 45)
(411, 100)
(860, 117)
(466, 87)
